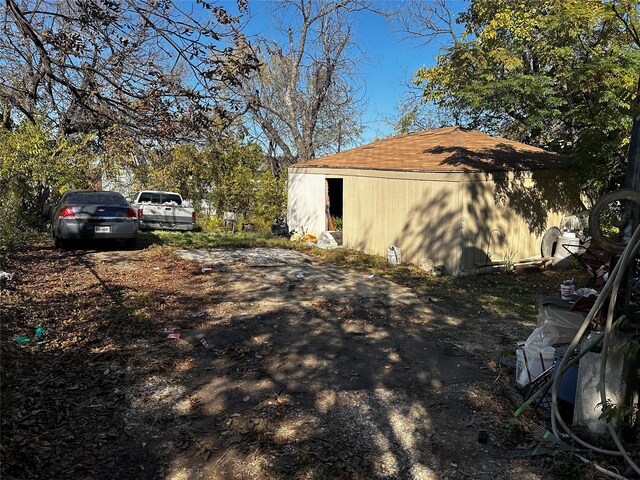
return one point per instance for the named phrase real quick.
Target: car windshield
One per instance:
(159, 198)
(96, 198)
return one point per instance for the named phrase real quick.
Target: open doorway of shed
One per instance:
(334, 203)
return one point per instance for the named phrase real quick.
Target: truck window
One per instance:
(159, 198)
(144, 197)
(170, 197)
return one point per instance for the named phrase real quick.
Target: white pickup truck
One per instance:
(163, 211)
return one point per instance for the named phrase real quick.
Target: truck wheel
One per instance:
(611, 215)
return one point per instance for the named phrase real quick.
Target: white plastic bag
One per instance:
(531, 361)
(555, 325)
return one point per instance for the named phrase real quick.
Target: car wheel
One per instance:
(61, 243)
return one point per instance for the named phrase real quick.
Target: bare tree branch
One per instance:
(425, 21)
(625, 17)
(303, 98)
(149, 65)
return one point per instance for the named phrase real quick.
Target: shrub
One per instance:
(36, 167)
(210, 223)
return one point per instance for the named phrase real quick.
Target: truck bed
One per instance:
(168, 215)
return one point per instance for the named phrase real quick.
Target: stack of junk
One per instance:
(538, 360)
(577, 365)
(567, 242)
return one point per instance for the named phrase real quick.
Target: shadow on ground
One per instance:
(284, 369)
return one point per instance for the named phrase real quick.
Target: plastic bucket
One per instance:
(568, 244)
(568, 383)
(567, 290)
(393, 255)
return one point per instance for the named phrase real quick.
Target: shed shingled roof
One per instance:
(451, 149)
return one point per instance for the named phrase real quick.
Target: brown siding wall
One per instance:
(423, 218)
(508, 215)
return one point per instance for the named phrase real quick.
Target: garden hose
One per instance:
(610, 289)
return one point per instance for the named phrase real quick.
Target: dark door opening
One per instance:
(334, 203)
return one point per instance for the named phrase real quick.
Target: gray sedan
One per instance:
(93, 214)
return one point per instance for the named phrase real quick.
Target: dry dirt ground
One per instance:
(286, 368)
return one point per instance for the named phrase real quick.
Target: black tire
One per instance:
(549, 242)
(606, 210)
(61, 243)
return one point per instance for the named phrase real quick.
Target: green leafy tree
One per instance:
(244, 184)
(236, 178)
(228, 175)
(223, 172)
(36, 167)
(562, 75)
(186, 169)
(271, 197)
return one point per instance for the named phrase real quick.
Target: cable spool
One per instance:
(549, 243)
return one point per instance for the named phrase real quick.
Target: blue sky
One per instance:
(387, 64)
(391, 62)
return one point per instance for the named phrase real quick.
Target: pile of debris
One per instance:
(574, 366)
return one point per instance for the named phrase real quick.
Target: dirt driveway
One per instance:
(285, 368)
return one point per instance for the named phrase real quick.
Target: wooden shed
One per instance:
(457, 197)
